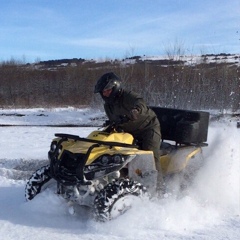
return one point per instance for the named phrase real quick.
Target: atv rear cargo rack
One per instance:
(183, 126)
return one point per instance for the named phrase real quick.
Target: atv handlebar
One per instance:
(111, 125)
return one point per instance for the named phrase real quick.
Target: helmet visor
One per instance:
(109, 85)
(106, 82)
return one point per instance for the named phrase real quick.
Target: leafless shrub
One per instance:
(203, 86)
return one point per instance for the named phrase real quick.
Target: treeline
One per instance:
(202, 86)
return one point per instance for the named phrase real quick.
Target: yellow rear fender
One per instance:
(178, 159)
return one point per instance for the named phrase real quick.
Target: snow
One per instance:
(233, 59)
(209, 209)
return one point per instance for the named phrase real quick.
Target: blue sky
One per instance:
(32, 30)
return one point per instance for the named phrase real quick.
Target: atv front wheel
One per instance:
(116, 198)
(36, 182)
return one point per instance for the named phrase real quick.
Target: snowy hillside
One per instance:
(170, 59)
(209, 209)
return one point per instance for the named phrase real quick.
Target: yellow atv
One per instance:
(107, 171)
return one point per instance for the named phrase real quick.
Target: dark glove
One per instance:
(122, 119)
(106, 123)
(110, 126)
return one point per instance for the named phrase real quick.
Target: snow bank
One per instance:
(209, 209)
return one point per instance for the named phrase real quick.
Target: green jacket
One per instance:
(121, 108)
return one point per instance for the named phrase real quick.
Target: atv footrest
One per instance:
(166, 148)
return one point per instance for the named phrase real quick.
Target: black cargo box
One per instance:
(183, 126)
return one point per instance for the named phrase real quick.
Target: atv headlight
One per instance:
(105, 159)
(106, 164)
(114, 159)
(55, 149)
(53, 146)
(117, 159)
(59, 150)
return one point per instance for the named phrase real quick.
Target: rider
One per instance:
(132, 114)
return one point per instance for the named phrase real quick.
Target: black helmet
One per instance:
(108, 81)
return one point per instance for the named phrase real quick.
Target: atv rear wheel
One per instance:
(36, 182)
(116, 198)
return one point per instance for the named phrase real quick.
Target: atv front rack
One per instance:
(106, 143)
